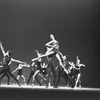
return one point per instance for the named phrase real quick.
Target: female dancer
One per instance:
(50, 67)
(78, 72)
(19, 68)
(39, 69)
(33, 69)
(7, 75)
(6, 64)
(75, 71)
(52, 48)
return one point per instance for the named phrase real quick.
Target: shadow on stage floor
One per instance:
(47, 94)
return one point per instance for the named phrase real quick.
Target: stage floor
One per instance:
(61, 88)
(29, 92)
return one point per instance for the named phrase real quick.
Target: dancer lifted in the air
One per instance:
(52, 48)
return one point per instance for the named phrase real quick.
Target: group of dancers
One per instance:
(40, 71)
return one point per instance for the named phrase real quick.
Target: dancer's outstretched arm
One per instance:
(35, 59)
(1, 66)
(73, 65)
(37, 55)
(47, 54)
(49, 44)
(80, 65)
(33, 63)
(53, 40)
(15, 70)
(17, 61)
(0, 62)
(26, 65)
(43, 55)
(2, 49)
(61, 55)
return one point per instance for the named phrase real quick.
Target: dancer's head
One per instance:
(52, 37)
(77, 57)
(38, 55)
(44, 64)
(39, 59)
(9, 52)
(64, 57)
(71, 63)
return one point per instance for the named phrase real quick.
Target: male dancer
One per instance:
(52, 48)
(6, 63)
(62, 73)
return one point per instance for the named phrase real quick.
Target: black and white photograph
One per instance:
(49, 50)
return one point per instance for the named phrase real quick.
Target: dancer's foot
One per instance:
(32, 84)
(80, 86)
(19, 84)
(8, 84)
(46, 86)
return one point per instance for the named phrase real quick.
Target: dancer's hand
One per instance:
(36, 50)
(27, 65)
(84, 65)
(33, 63)
(23, 63)
(0, 43)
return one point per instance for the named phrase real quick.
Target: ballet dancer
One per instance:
(33, 69)
(7, 75)
(50, 67)
(52, 48)
(78, 72)
(6, 63)
(39, 69)
(51, 70)
(19, 69)
(62, 73)
(75, 72)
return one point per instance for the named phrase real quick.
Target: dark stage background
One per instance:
(25, 25)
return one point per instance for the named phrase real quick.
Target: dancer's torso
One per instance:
(6, 60)
(38, 65)
(19, 72)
